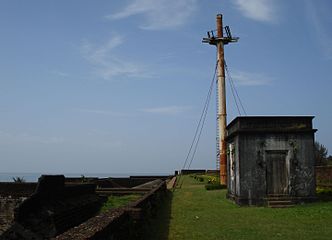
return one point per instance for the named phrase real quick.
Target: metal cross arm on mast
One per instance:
(212, 40)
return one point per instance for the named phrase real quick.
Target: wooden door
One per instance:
(276, 172)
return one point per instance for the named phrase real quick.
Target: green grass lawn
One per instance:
(200, 214)
(119, 201)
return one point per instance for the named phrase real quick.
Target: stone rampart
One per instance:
(16, 189)
(193, 171)
(122, 223)
(125, 182)
(11, 196)
(7, 206)
(52, 209)
(324, 176)
(121, 182)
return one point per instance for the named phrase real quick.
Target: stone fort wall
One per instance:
(324, 176)
(55, 205)
(11, 196)
(128, 222)
(53, 208)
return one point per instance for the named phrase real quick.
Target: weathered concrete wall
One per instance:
(251, 140)
(123, 223)
(299, 162)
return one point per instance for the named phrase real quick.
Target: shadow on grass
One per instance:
(324, 198)
(324, 194)
(159, 224)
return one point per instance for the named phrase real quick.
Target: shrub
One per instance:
(323, 191)
(212, 180)
(217, 186)
(198, 178)
(324, 194)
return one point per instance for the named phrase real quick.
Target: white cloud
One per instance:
(159, 14)
(60, 73)
(259, 10)
(168, 110)
(319, 16)
(110, 66)
(251, 79)
(100, 54)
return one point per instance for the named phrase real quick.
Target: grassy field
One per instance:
(195, 213)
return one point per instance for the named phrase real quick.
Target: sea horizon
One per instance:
(33, 176)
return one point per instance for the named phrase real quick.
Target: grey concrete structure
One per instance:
(270, 157)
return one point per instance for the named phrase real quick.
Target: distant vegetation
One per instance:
(212, 181)
(321, 155)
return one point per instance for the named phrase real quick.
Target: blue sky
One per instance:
(118, 86)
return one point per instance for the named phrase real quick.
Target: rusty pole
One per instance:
(219, 41)
(221, 103)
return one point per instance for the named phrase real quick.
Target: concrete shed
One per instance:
(270, 159)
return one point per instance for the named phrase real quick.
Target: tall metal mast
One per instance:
(219, 41)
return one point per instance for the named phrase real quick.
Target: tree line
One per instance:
(321, 155)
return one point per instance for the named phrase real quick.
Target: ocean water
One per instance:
(33, 177)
